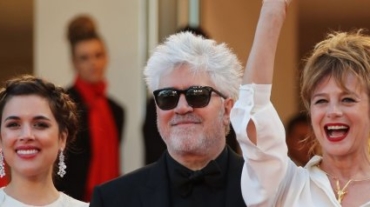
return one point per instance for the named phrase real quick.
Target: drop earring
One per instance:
(2, 164)
(62, 165)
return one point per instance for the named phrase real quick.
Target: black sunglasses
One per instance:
(196, 96)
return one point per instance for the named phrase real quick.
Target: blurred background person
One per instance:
(38, 122)
(5, 179)
(94, 158)
(298, 129)
(153, 143)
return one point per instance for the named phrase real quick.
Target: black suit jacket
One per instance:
(149, 187)
(78, 155)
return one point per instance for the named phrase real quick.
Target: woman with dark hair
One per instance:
(94, 158)
(38, 123)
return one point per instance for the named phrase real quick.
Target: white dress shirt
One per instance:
(269, 177)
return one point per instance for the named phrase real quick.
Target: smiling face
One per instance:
(340, 118)
(187, 130)
(30, 137)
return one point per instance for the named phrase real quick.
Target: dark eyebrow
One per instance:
(40, 117)
(11, 118)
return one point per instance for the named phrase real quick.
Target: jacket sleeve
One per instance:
(96, 200)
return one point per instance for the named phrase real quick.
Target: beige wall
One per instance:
(235, 24)
(16, 33)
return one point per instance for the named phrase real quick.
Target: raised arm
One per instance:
(266, 161)
(260, 65)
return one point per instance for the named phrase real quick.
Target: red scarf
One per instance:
(104, 164)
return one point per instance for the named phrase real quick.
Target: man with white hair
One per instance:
(195, 84)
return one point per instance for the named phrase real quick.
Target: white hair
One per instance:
(201, 55)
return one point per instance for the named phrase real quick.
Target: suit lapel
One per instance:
(233, 190)
(156, 191)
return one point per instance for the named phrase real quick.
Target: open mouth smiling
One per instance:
(336, 132)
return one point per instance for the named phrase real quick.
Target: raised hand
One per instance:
(261, 59)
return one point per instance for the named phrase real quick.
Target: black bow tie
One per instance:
(185, 180)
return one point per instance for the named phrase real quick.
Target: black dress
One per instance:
(78, 155)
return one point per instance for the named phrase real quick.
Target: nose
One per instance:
(334, 111)
(183, 106)
(26, 133)
(94, 61)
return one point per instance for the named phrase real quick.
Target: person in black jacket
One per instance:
(94, 158)
(195, 83)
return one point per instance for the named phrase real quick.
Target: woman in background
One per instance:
(38, 122)
(94, 158)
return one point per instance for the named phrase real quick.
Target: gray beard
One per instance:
(195, 141)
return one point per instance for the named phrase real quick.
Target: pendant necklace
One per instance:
(341, 192)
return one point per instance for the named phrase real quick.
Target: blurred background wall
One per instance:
(32, 40)
(16, 37)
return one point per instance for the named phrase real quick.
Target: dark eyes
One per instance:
(86, 57)
(348, 100)
(344, 100)
(41, 125)
(12, 124)
(320, 101)
(99, 54)
(37, 125)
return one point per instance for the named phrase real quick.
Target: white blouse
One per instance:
(269, 177)
(63, 201)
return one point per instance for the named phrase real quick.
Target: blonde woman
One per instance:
(335, 91)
